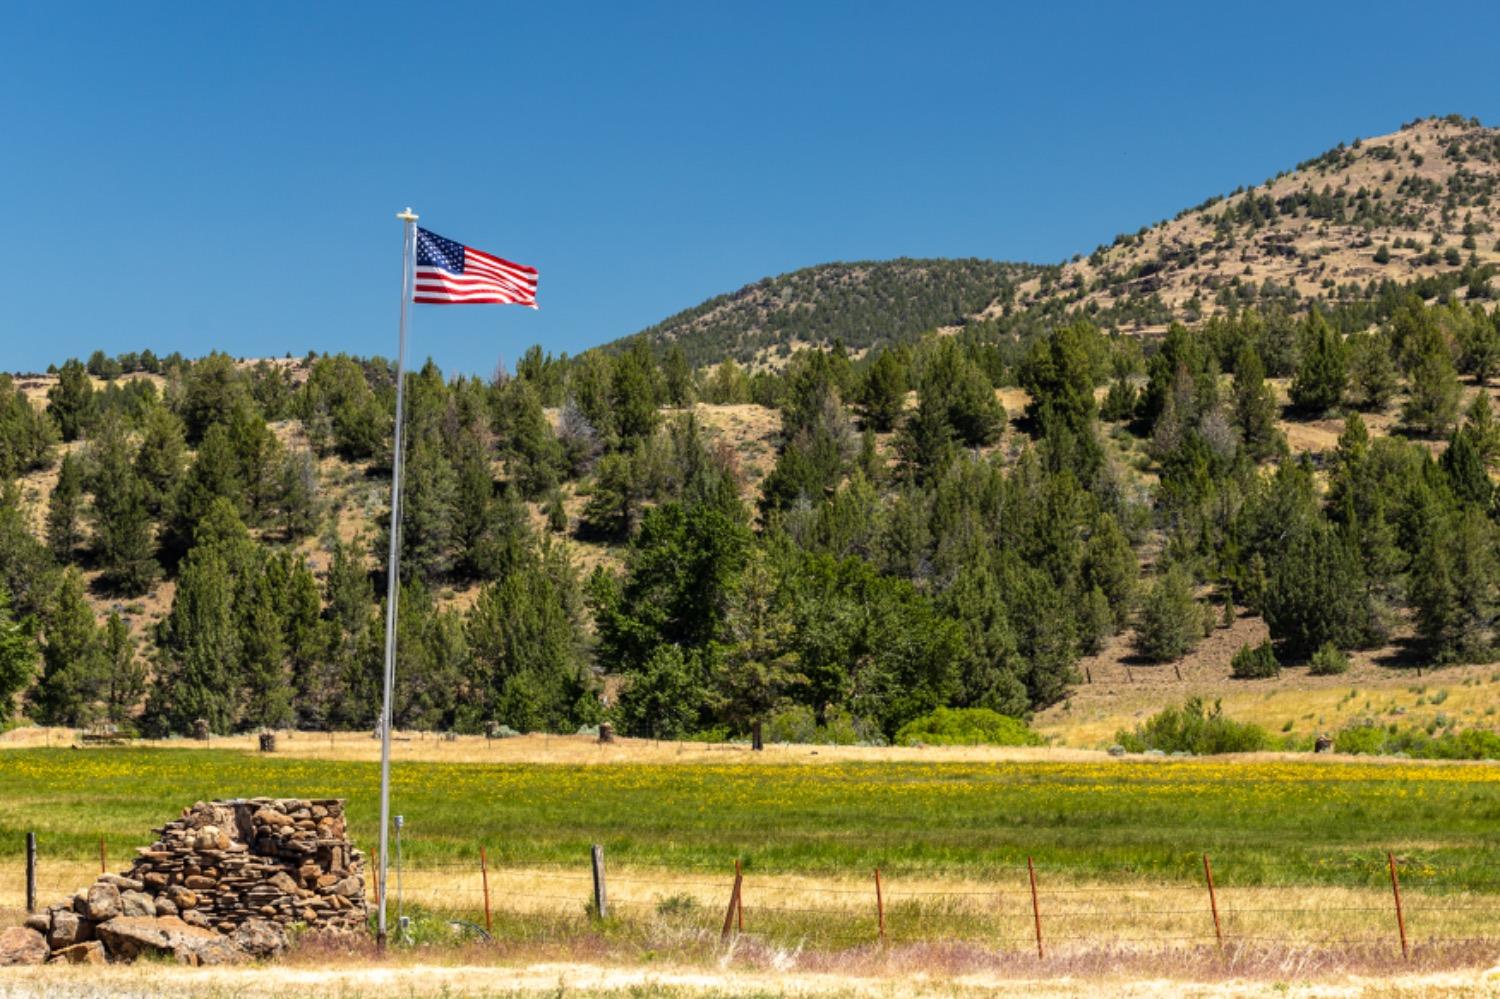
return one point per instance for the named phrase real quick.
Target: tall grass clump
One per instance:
(1194, 728)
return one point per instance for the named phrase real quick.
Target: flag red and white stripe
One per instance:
(449, 273)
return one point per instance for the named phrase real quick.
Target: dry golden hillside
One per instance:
(1312, 233)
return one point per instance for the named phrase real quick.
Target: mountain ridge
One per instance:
(1428, 194)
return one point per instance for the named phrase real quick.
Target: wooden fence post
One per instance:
(484, 875)
(880, 905)
(601, 901)
(739, 898)
(1036, 912)
(103, 863)
(734, 904)
(1213, 901)
(31, 872)
(1400, 918)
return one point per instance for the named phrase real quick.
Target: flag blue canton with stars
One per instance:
(435, 251)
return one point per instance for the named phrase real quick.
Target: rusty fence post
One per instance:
(879, 905)
(484, 877)
(734, 906)
(1213, 901)
(1400, 917)
(103, 862)
(1036, 911)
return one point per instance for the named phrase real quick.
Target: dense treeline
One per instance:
(914, 546)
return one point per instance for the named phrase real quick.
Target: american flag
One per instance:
(450, 273)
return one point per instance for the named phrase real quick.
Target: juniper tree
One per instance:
(71, 402)
(18, 655)
(126, 674)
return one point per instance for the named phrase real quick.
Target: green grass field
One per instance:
(1264, 822)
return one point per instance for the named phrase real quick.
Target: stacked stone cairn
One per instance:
(224, 882)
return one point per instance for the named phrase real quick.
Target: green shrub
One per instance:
(796, 723)
(1329, 660)
(1372, 740)
(1194, 728)
(1254, 662)
(966, 727)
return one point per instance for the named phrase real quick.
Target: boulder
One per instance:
(121, 882)
(130, 937)
(91, 952)
(165, 906)
(22, 945)
(67, 929)
(103, 902)
(261, 938)
(137, 903)
(39, 921)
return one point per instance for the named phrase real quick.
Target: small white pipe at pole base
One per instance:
(393, 565)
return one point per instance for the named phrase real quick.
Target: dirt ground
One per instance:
(587, 979)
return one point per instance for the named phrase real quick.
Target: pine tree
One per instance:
(677, 377)
(1372, 372)
(1453, 588)
(64, 519)
(1171, 620)
(1432, 406)
(634, 395)
(759, 666)
(265, 671)
(1465, 469)
(71, 402)
(160, 459)
(127, 676)
(123, 532)
(1254, 405)
(533, 456)
(882, 395)
(200, 649)
(75, 672)
(215, 474)
(18, 656)
(1322, 376)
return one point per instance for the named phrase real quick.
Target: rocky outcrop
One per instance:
(225, 881)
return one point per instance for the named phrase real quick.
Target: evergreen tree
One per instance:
(75, 672)
(215, 474)
(1453, 588)
(126, 675)
(1432, 405)
(199, 674)
(634, 395)
(532, 453)
(1322, 373)
(26, 436)
(1171, 620)
(18, 656)
(527, 647)
(1465, 469)
(64, 519)
(71, 402)
(759, 665)
(677, 377)
(1372, 373)
(1316, 592)
(160, 458)
(123, 532)
(882, 395)
(1254, 405)
(265, 669)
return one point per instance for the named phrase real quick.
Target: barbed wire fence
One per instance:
(1397, 904)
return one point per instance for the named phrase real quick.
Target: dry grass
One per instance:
(746, 970)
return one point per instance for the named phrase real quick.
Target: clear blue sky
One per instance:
(197, 176)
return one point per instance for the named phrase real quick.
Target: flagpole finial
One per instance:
(407, 216)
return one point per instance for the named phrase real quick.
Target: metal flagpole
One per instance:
(393, 564)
